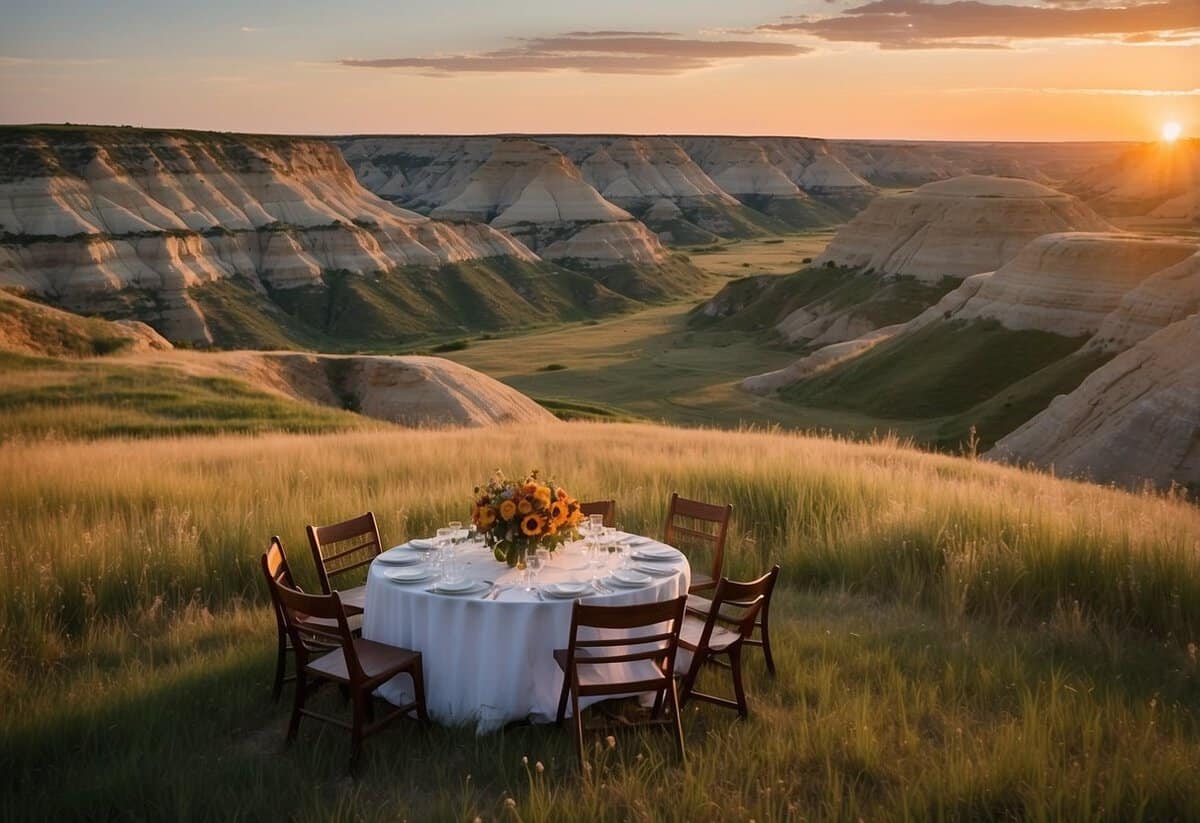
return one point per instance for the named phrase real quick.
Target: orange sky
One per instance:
(709, 80)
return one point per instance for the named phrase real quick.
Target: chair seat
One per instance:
(702, 605)
(602, 675)
(700, 582)
(377, 660)
(354, 601)
(720, 639)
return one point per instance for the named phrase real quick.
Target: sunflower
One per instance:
(487, 516)
(542, 495)
(532, 525)
(508, 510)
(561, 494)
(525, 506)
(559, 513)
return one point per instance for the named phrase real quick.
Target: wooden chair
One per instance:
(334, 557)
(608, 508)
(701, 606)
(705, 525)
(277, 569)
(736, 605)
(587, 662)
(359, 666)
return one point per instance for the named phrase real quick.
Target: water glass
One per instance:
(458, 534)
(442, 552)
(595, 523)
(533, 565)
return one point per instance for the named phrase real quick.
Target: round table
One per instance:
(488, 661)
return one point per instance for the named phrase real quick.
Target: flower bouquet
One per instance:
(516, 517)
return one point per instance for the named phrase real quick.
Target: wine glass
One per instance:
(459, 534)
(598, 556)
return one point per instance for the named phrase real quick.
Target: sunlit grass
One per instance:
(956, 639)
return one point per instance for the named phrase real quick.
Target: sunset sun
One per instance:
(1171, 131)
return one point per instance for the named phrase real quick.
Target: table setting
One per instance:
(488, 601)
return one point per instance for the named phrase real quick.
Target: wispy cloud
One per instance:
(593, 52)
(1091, 92)
(53, 61)
(922, 24)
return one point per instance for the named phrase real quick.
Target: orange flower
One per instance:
(525, 507)
(561, 494)
(487, 516)
(508, 510)
(532, 525)
(559, 513)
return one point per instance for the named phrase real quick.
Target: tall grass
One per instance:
(957, 640)
(106, 530)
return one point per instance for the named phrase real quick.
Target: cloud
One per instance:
(920, 24)
(1082, 91)
(592, 52)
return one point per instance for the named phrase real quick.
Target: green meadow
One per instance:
(956, 640)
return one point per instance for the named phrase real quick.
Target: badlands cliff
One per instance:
(1156, 180)
(95, 219)
(1135, 419)
(956, 227)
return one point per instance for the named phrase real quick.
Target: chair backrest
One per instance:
(344, 547)
(608, 508)
(308, 637)
(647, 631)
(276, 570)
(694, 523)
(739, 604)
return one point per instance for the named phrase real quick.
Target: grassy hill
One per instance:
(956, 640)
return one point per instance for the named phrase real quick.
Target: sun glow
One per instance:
(1171, 131)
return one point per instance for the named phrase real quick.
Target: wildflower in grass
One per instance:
(539, 767)
(611, 741)
(509, 803)
(525, 760)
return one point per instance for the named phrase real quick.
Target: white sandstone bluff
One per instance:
(955, 228)
(1114, 288)
(1134, 420)
(87, 214)
(535, 193)
(1159, 180)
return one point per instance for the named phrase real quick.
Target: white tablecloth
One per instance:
(489, 662)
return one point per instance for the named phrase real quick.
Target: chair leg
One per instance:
(297, 702)
(739, 690)
(766, 646)
(280, 669)
(578, 723)
(562, 699)
(689, 679)
(656, 711)
(418, 678)
(676, 720)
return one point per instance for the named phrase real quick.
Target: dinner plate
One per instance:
(400, 556)
(456, 585)
(566, 590)
(656, 571)
(656, 554)
(629, 578)
(473, 587)
(636, 540)
(423, 543)
(408, 574)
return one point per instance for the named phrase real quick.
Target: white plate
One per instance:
(400, 556)
(629, 578)
(656, 571)
(656, 555)
(636, 540)
(423, 543)
(451, 590)
(407, 574)
(566, 590)
(457, 585)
